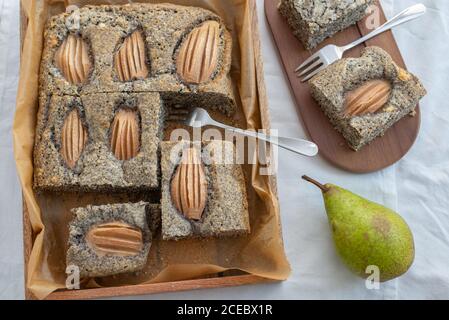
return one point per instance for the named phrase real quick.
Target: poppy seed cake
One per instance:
(122, 58)
(331, 86)
(98, 169)
(106, 254)
(314, 21)
(163, 28)
(226, 211)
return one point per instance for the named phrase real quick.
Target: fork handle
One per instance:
(408, 14)
(298, 146)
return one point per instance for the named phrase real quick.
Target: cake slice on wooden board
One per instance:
(111, 239)
(314, 21)
(203, 191)
(363, 97)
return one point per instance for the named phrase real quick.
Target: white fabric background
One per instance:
(417, 187)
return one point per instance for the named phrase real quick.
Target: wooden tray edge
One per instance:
(167, 287)
(206, 283)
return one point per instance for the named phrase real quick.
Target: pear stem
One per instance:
(319, 185)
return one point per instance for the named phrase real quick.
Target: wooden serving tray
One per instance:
(383, 151)
(224, 279)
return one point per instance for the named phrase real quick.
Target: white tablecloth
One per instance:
(417, 186)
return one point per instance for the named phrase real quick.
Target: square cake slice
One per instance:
(105, 142)
(363, 97)
(203, 191)
(109, 239)
(314, 21)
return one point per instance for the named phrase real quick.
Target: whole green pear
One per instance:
(367, 234)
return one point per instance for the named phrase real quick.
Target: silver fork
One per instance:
(199, 117)
(331, 53)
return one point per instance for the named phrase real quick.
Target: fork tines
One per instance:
(310, 67)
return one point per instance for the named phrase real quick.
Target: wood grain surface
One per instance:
(224, 279)
(382, 152)
(207, 283)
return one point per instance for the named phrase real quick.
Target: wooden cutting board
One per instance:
(381, 153)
